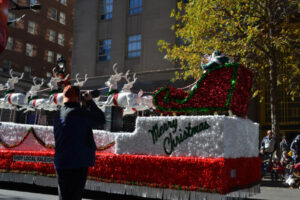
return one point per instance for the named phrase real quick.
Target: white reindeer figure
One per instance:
(127, 86)
(56, 100)
(15, 99)
(32, 102)
(32, 93)
(55, 79)
(10, 84)
(80, 83)
(125, 98)
(113, 80)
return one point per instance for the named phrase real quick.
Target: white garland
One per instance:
(123, 189)
(229, 137)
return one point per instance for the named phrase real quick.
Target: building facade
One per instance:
(39, 38)
(125, 32)
(35, 43)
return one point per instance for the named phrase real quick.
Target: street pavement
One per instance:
(10, 191)
(276, 190)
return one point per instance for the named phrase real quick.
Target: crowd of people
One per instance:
(287, 166)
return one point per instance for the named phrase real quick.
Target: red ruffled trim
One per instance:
(216, 175)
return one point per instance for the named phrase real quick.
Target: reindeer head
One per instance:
(129, 84)
(80, 83)
(33, 90)
(113, 79)
(13, 80)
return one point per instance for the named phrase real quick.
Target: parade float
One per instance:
(178, 155)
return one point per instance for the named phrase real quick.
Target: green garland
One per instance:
(54, 91)
(102, 148)
(30, 130)
(191, 94)
(32, 98)
(112, 92)
(9, 91)
(41, 142)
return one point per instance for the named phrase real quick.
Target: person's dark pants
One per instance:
(71, 183)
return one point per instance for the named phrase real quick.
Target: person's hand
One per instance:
(86, 97)
(262, 151)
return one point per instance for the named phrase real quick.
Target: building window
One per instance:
(29, 50)
(104, 50)
(134, 46)
(10, 43)
(61, 39)
(63, 2)
(33, 2)
(62, 18)
(11, 17)
(135, 6)
(53, 14)
(6, 65)
(49, 74)
(52, 35)
(50, 56)
(31, 27)
(27, 70)
(106, 9)
(58, 55)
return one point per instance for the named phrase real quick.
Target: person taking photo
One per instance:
(74, 142)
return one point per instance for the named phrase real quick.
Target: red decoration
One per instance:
(3, 24)
(216, 175)
(220, 89)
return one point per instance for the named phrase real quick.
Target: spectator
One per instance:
(268, 146)
(283, 145)
(276, 170)
(74, 142)
(295, 147)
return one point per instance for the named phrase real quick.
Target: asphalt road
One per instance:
(12, 191)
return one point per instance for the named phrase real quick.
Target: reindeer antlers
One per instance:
(34, 81)
(80, 83)
(11, 75)
(126, 76)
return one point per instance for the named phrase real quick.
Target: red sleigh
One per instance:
(222, 88)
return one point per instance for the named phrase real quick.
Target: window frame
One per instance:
(6, 65)
(50, 60)
(134, 52)
(11, 16)
(27, 50)
(105, 47)
(62, 20)
(10, 43)
(50, 36)
(61, 41)
(135, 10)
(105, 5)
(51, 17)
(63, 3)
(33, 28)
(58, 55)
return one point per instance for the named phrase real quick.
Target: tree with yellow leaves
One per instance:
(261, 34)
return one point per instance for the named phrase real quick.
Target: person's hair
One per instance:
(71, 93)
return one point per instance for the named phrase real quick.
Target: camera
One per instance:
(94, 93)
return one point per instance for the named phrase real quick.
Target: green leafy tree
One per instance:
(261, 34)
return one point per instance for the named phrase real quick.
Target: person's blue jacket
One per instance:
(74, 142)
(295, 146)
